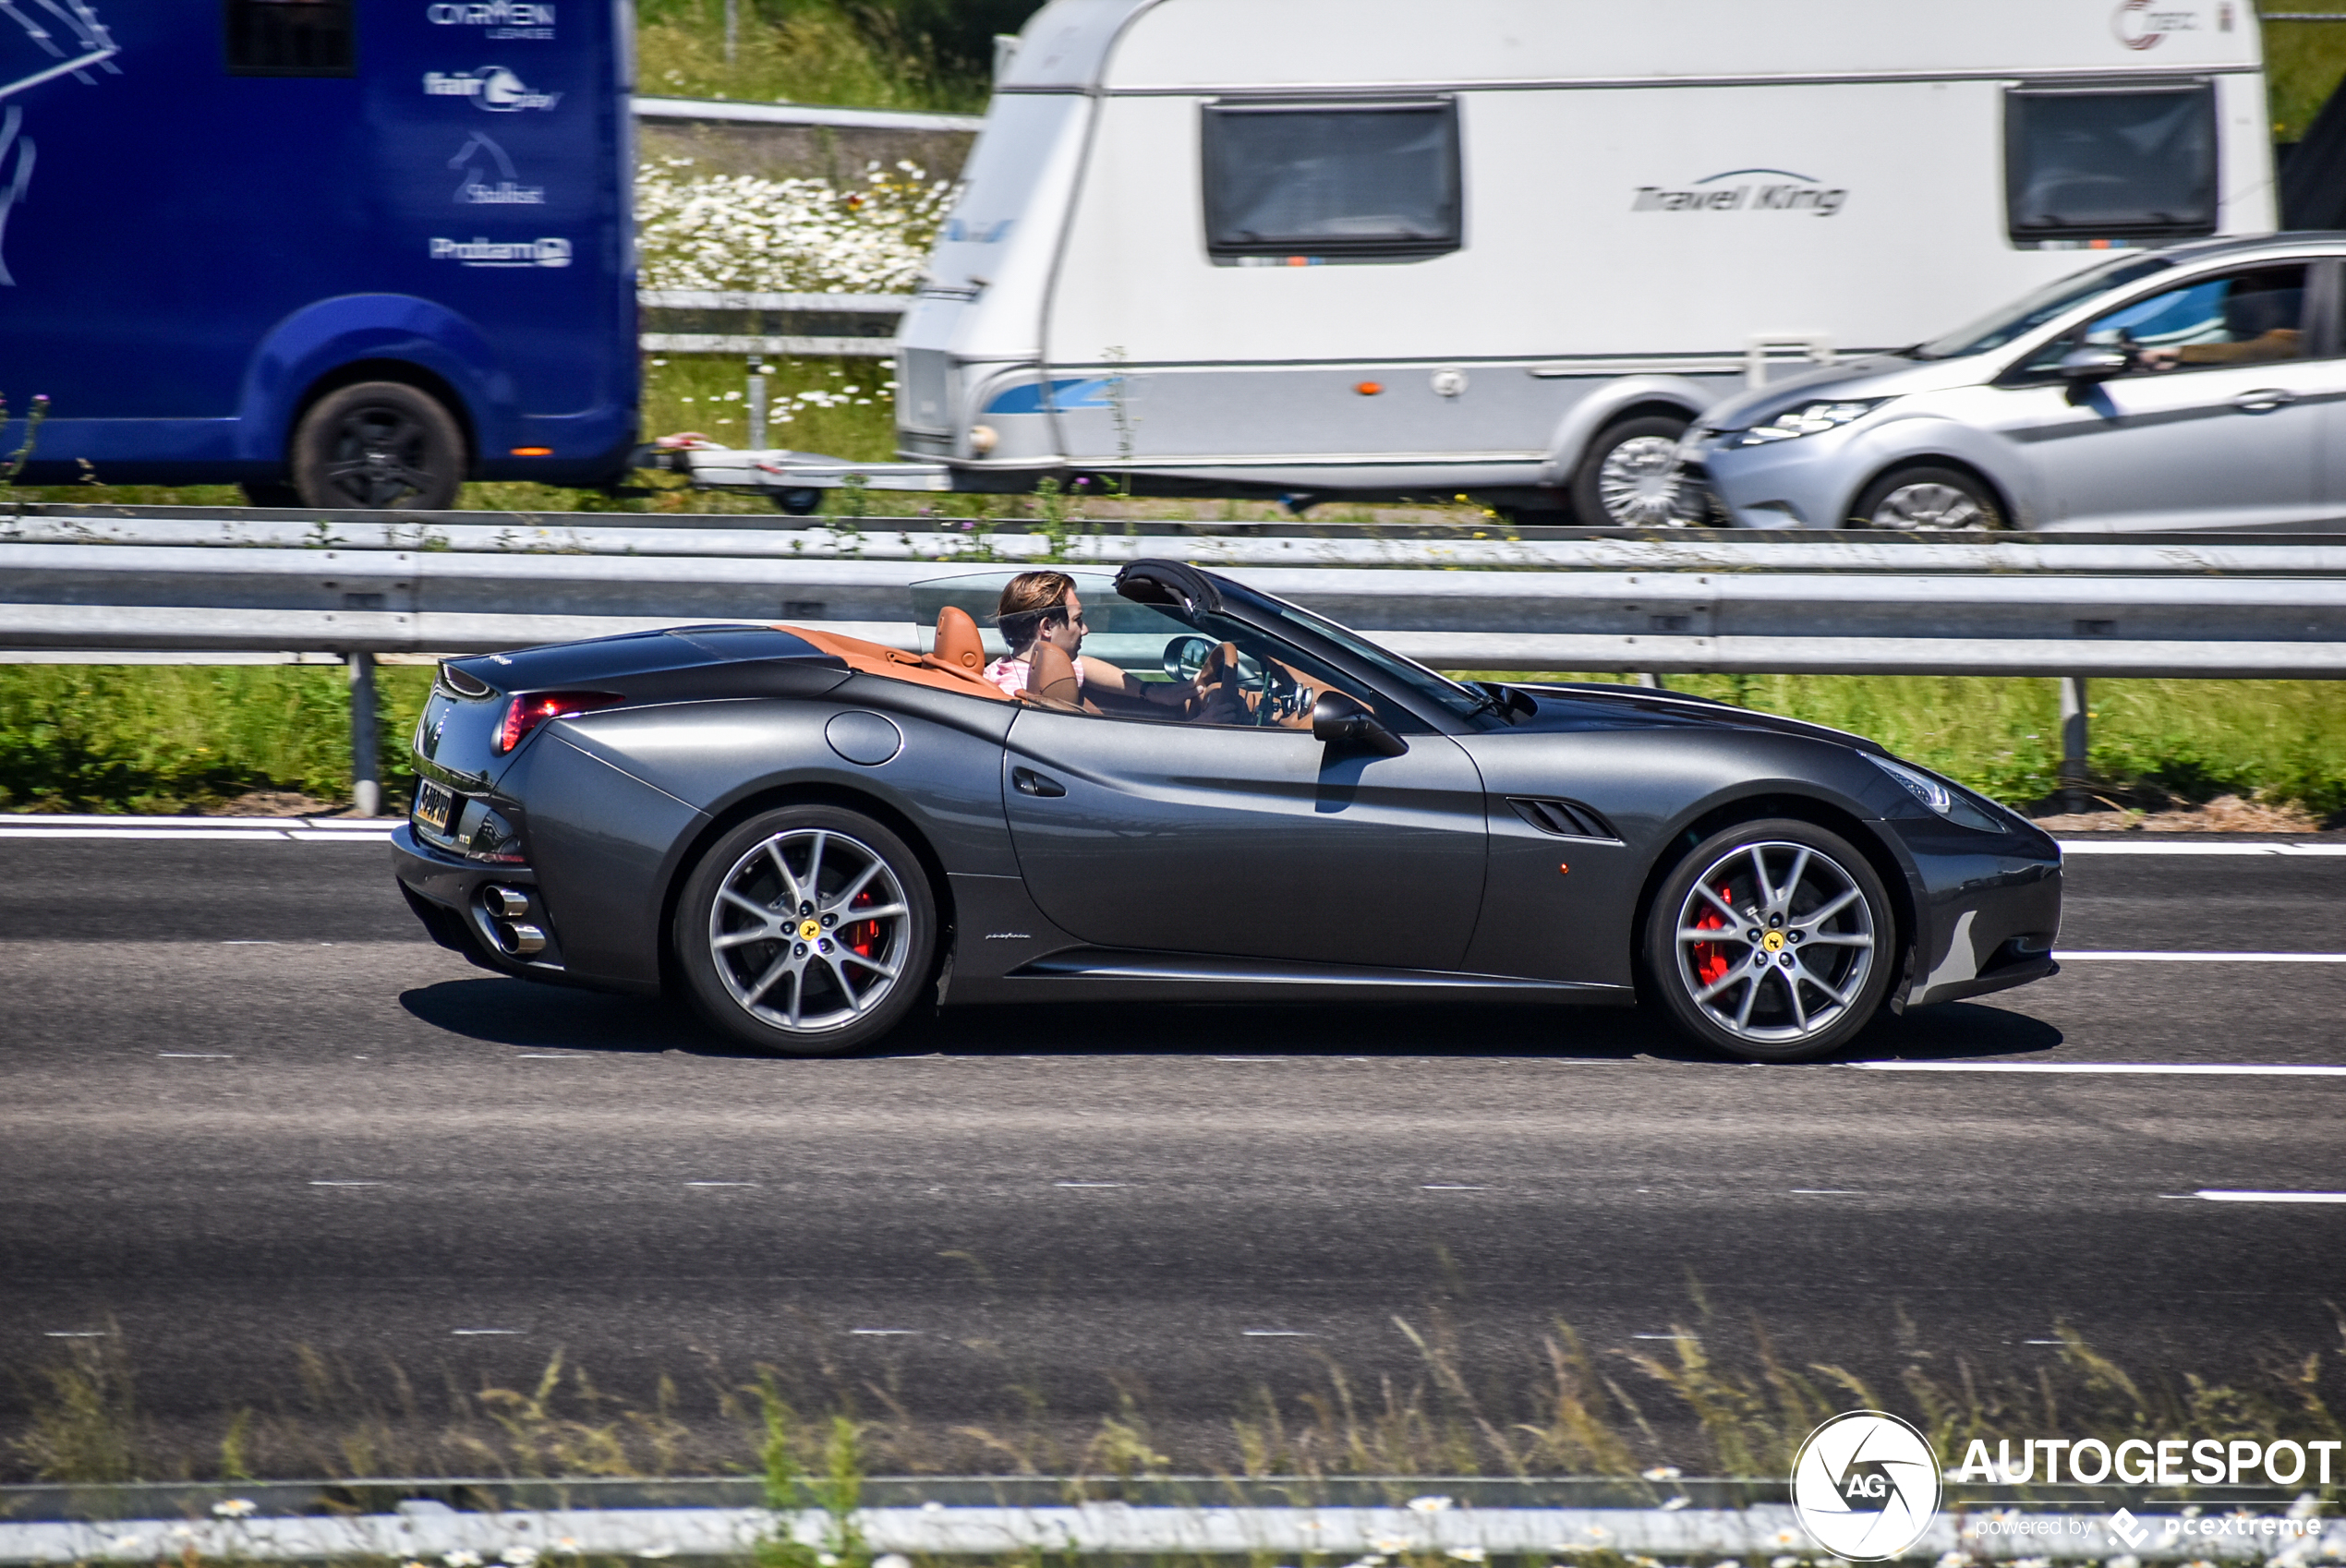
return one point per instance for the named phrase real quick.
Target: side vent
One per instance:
(1566, 819)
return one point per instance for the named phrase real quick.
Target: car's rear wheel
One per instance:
(379, 444)
(1772, 940)
(1629, 477)
(1929, 501)
(807, 931)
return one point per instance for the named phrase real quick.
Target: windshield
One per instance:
(1395, 673)
(2015, 321)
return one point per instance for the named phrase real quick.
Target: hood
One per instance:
(1881, 375)
(1594, 707)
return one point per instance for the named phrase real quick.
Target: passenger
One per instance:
(1042, 608)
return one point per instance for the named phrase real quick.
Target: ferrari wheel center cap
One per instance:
(810, 929)
(1774, 941)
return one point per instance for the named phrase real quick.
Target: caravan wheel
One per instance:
(1629, 477)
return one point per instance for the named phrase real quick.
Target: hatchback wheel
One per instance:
(1928, 500)
(1774, 940)
(807, 931)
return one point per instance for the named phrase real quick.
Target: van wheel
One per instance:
(1629, 477)
(377, 445)
(806, 932)
(1928, 500)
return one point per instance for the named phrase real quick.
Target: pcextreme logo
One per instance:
(1866, 1486)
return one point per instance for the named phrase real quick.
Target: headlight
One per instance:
(1807, 419)
(1938, 796)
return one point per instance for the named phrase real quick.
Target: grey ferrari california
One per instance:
(1165, 785)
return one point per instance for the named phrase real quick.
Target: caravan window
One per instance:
(1331, 182)
(2111, 163)
(290, 38)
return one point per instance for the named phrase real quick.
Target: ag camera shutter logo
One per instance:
(1866, 1486)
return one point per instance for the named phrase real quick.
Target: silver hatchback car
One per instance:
(2199, 387)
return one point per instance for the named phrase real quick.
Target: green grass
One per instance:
(2304, 61)
(801, 52)
(176, 738)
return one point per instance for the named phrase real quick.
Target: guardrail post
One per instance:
(1652, 682)
(2073, 738)
(366, 782)
(756, 403)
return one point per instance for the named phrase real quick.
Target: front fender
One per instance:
(1593, 412)
(1925, 437)
(321, 338)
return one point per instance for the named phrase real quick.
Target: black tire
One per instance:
(1654, 499)
(1765, 1001)
(798, 503)
(846, 987)
(379, 445)
(1929, 498)
(270, 492)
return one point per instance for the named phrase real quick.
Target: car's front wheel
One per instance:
(1774, 940)
(1932, 500)
(807, 931)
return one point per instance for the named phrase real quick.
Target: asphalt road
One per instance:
(249, 1109)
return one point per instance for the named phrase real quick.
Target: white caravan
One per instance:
(1511, 247)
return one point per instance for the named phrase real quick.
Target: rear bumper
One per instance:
(449, 894)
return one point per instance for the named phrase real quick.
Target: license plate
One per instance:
(433, 803)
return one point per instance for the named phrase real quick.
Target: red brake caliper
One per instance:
(863, 936)
(1711, 962)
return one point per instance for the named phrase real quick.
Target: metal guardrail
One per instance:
(715, 321)
(731, 111)
(365, 587)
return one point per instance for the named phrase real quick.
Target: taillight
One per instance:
(531, 709)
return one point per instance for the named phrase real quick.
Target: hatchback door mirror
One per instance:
(1340, 723)
(2095, 362)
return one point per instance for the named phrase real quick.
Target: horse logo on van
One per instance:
(90, 47)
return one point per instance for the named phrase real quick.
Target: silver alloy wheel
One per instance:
(1930, 507)
(809, 930)
(1637, 483)
(1774, 942)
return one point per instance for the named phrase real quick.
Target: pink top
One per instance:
(1011, 674)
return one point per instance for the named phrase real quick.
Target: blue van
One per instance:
(341, 252)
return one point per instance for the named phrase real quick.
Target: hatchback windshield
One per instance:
(2015, 320)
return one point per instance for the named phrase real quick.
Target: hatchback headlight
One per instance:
(1807, 419)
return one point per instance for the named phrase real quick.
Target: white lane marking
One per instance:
(243, 835)
(1449, 1187)
(722, 1183)
(73, 1333)
(466, 1334)
(2176, 1069)
(549, 1057)
(350, 1184)
(1661, 1336)
(196, 1056)
(2192, 846)
(2203, 958)
(1276, 1333)
(312, 835)
(2044, 1342)
(2218, 1195)
(249, 942)
(1087, 1184)
(884, 1332)
(1828, 1191)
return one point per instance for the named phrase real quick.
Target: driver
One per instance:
(1043, 607)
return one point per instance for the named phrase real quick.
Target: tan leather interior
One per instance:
(1052, 677)
(958, 644)
(922, 669)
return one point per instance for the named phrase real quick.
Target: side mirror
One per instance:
(2095, 362)
(1184, 657)
(1340, 723)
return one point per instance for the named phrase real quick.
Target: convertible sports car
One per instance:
(810, 835)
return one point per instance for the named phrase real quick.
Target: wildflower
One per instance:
(234, 1507)
(1783, 1562)
(518, 1556)
(657, 1552)
(1467, 1553)
(1674, 1504)
(891, 1559)
(1951, 1559)
(1428, 1505)
(461, 1559)
(1661, 1473)
(2032, 1562)
(828, 1560)
(1391, 1546)
(2129, 1561)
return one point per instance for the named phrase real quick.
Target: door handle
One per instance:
(2264, 400)
(1029, 782)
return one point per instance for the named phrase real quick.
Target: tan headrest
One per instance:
(958, 644)
(1053, 674)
